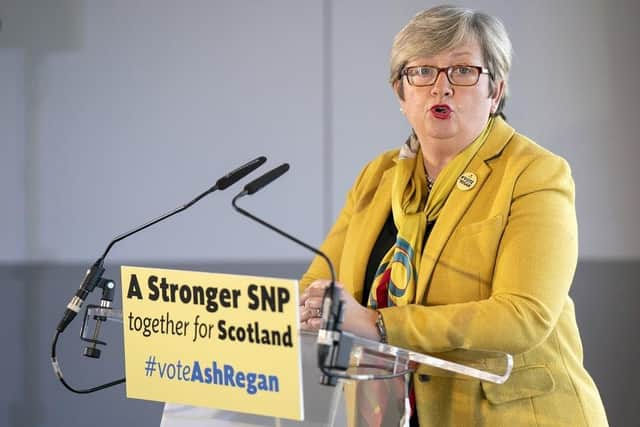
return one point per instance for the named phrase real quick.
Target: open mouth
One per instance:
(441, 111)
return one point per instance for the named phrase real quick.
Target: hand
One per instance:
(356, 318)
(311, 307)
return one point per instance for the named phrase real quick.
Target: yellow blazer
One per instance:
(494, 275)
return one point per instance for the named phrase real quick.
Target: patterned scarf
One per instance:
(396, 277)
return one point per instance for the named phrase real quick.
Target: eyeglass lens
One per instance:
(457, 74)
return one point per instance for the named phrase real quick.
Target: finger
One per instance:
(313, 302)
(303, 298)
(305, 315)
(316, 291)
(313, 290)
(314, 323)
(319, 285)
(311, 325)
(323, 284)
(311, 294)
(309, 313)
(305, 326)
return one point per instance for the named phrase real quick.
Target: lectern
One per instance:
(376, 394)
(362, 400)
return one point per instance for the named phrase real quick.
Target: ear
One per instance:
(498, 92)
(397, 90)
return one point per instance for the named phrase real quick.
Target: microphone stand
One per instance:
(330, 358)
(334, 347)
(93, 278)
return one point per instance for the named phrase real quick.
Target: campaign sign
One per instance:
(215, 340)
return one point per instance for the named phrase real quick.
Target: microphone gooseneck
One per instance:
(93, 277)
(94, 274)
(221, 184)
(329, 334)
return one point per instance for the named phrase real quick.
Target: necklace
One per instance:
(429, 183)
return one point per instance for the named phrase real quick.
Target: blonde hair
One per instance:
(445, 27)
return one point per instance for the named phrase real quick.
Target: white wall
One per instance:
(150, 104)
(113, 112)
(12, 157)
(571, 90)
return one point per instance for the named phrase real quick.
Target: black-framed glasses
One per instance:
(458, 75)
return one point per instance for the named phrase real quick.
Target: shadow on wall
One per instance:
(37, 29)
(42, 26)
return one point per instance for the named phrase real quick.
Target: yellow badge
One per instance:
(467, 181)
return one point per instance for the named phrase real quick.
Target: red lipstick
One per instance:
(441, 111)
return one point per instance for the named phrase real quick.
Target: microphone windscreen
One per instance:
(239, 173)
(266, 179)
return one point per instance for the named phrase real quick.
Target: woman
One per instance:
(464, 239)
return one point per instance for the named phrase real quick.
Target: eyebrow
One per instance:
(462, 54)
(455, 55)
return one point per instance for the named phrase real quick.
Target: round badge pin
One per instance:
(466, 181)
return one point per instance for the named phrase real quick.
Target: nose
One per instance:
(442, 86)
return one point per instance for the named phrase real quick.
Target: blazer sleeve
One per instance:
(534, 268)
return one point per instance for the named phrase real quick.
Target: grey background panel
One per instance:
(151, 102)
(605, 294)
(113, 112)
(117, 111)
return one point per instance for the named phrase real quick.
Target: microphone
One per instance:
(238, 173)
(94, 274)
(91, 279)
(329, 355)
(266, 179)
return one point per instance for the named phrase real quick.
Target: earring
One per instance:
(401, 110)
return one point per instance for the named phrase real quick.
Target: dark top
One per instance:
(386, 239)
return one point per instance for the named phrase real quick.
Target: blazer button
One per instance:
(424, 378)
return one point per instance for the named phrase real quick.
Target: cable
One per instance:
(58, 372)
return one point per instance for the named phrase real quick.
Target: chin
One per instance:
(442, 133)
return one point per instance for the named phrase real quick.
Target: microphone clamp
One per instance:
(108, 287)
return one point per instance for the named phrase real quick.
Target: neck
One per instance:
(437, 152)
(436, 155)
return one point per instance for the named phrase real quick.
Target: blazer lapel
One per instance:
(458, 203)
(370, 221)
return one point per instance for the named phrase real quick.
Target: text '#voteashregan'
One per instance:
(213, 373)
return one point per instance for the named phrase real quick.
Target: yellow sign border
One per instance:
(216, 340)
